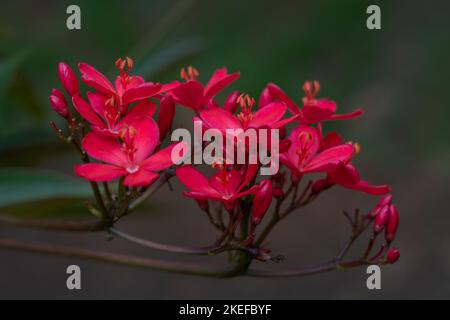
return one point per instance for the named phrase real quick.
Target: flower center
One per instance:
(246, 103)
(304, 150)
(127, 135)
(189, 74)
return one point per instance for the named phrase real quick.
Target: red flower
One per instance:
(165, 116)
(225, 185)
(131, 159)
(303, 155)
(126, 89)
(270, 116)
(313, 110)
(347, 176)
(193, 95)
(105, 117)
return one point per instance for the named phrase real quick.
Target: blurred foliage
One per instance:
(398, 75)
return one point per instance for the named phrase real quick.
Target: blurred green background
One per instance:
(399, 75)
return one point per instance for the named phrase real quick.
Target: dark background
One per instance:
(399, 75)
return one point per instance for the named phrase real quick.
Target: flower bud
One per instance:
(321, 185)
(59, 103)
(381, 219)
(165, 116)
(68, 79)
(278, 193)
(231, 103)
(262, 201)
(265, 98)
(392, 256)
(386, 200)
(392, 225)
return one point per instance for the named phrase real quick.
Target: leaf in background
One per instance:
(21, 185)
(166, 57)
(8, 68)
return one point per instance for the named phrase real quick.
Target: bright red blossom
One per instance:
(193, 95)
(226, 185)
(132, 159)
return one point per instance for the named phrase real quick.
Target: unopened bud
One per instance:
(381, 219)
(385, 201)
(59, 103)
(165, 116)
(262, 201)
(392, 256)
(203, 204)
(68, 79)
(392, 225)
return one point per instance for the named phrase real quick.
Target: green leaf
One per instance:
(21, 185)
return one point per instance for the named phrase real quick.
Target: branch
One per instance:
(55, 225)
(143, 263)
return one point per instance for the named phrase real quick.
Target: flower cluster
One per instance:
(124, 124)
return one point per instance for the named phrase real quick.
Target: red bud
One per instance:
(59, 103)
(381, 219)
(262, 201)
(392, 224)
(393, 255)
(165, 116)
(278, 193)
(68, 79)
(231, 104)
(386, 200)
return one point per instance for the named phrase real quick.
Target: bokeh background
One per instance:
(399, 75)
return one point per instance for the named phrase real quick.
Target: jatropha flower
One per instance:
(193, 95)
(313, 110)
(270, 116)
(304, 157)
(133, 158)
(108, 110)
(226, 185)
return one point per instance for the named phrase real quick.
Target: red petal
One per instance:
(332, 139)
(95, 79)
(268, 115)
(219, 80)
(303, 138)
(104, 148)
(195, 181)
(132, 82)
(364, 186)
(97, 102)
(231, 104)
(345, 175)
(163, 159)
(189, 94)
(141, 92)
(265, 98)
(220, 119)
(99, 172)
(146, 139)
(141, 178)
(85, 110)
(318, 111)
(143, 109)
(68, 79)
(169, 86)
(328, 159)
(279, 94)
(346, 116)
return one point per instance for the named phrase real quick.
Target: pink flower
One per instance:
(226, 185)
(313, 110)
(303, 155)
(193, 95)
(105, 117)
(132, 159)
(127, 89)
(270, 116)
